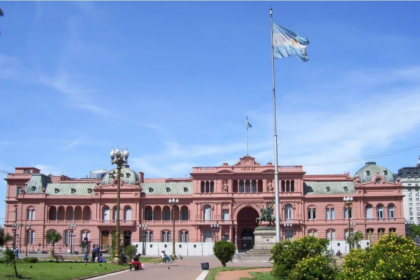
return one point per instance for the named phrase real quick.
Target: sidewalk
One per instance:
(186, 269)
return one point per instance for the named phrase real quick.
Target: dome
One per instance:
(367, 172)
(128, 175)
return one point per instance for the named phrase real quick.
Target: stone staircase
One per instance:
(257, 253)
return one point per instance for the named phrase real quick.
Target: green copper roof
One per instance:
(367, 172)
(326, 188)
(167, 188)
(127, 174)
(37, 183)
(75, 189)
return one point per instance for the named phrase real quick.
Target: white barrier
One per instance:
(181, 248)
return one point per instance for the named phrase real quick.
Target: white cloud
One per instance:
(48, 169)
(72, 144)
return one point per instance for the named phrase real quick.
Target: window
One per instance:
(330, 213)
(328, 189)
(225, 215)
(105, 213)
(165, 236)
(391, 211)
(184, 213)
(378, 181)
(288, 212)
(127, 213)
(56, 190)
(30, 236)
(254, 186)
(385, 172)
(18, 190)
(26, 171)
(89, 190)
(150, 189)
(247, 186)
(183, 236)
(367, 173)
(289, 234)
(149, 236)
(348, 213)
(207, 236)
(207, 213)
(166, 213)
(380, 211)
(73, 190)
(368, 212)
(311, 213)
(392, 230)
(33, 188)
(148, 214)
(313, 232)
(30, 214)
(241, 186)
(345, 189)
(127, 175)
(185, 189)
(168, 189)
(381, 231)
(331, 234)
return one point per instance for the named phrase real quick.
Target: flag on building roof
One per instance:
(287, 43)
(248, 125)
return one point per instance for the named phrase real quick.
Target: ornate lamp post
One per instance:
(119, 158)
(27, 228)
(408, 225)
(173, 202)
(72, 227)
(215, 230)
(142, 228)
(348, 201)
(15, 227)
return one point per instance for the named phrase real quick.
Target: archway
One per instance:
(246, 226)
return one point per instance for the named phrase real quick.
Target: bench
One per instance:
(57, 257)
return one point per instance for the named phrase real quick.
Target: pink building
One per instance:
(230, 196)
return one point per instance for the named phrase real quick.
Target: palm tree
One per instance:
(9, 258)
(7, 238)
(357, 236)
(53, 236)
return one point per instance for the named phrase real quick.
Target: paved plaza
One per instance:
(186, 269)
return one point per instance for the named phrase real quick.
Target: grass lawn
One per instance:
(260, 276)
(57, 271)
(214, 271)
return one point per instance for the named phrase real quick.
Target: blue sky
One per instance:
(174, 81)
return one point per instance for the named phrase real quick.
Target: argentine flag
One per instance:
(287, 43)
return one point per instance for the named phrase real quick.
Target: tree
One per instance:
(392, 257)
(53, 236)
(287, 254)
(7, 238)
(357, 237)
(1, 236)
(314, 268)
(224, 251)
(10, 260)
(130, 251)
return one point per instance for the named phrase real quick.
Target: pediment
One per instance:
(247, 163)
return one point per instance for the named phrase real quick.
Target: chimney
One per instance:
(141, 177)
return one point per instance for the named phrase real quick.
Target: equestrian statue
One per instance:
(266, 215)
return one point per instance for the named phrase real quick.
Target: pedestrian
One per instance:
(17, 253)
(94, 252)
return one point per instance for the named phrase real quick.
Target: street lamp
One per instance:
(173, 202)
(408, 225)
(142, 228)
(215, 230)
(72, 227)
(119, 158)
(348, 201)
(15, 227)
(27, 228)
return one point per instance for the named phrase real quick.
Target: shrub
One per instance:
(287, 254)
(314, 268)
(224, 251)
(30, 260)
(130, 251)
(392, 257)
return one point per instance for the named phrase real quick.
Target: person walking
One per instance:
(94, 252)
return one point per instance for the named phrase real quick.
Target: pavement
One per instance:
(189, 268)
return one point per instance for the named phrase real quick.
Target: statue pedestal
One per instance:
(264, 238)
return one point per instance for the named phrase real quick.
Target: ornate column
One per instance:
(231, 234)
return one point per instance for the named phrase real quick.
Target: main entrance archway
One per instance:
(246, 226)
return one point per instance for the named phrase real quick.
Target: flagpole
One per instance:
(247, 126)
(276, 170)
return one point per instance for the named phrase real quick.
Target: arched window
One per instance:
(312, 232)
(247, 186)
(115, 213)
(207, 236)
(348, 213)
(380, 211)
(254, 186)
(149, 236)
(127, 213)
(368, 212)
(282, 186)
(207, 187)
(183, 236)
(241, 186)
(332, 213)
(331, 234)
(292, 188)
(212, 187)
(105, 213)
(166, 213)
(327, 214)
(288, 212)
(392, 230)
(287, 186)
(30, 214)
(207, 213)
(165, 236)
(85, 235)
(311, 213)
(391, 211)
(148, 213)
(202, 187)
(30, 236)
(184, 213)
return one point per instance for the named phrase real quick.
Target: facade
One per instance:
(227, 196)
(411, 189)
